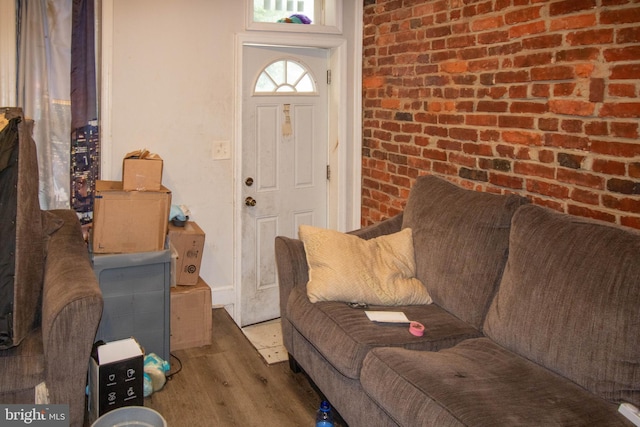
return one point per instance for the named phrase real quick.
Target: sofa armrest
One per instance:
(71, 311)
(291, 263)
(388, 226)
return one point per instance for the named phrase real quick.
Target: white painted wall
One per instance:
(171, 91)
(7, 53)
(169, 87)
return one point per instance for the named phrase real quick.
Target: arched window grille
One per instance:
(285, 77)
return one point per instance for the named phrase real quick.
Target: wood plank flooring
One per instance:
(228, 384)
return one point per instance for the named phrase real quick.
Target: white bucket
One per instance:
(131, 416)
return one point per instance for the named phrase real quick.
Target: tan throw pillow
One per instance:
(344, 267)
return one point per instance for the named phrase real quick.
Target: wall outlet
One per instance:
(221, 150)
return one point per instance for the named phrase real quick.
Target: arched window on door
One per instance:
(285, 77)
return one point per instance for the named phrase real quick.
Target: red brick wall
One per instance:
(535, 97)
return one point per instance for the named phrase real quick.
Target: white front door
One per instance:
(284, 162)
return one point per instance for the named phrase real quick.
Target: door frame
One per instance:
(289, 182)
(344, 176)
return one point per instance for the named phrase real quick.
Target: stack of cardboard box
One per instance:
(191, 296)
(132, 215)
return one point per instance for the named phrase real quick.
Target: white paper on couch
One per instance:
(387, 316)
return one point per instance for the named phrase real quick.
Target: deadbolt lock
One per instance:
(248, 182)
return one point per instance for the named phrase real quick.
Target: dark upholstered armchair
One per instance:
(51, 303)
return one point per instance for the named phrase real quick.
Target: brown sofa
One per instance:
(533, 320)
(53, 297)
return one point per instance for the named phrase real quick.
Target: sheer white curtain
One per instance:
(44, 62)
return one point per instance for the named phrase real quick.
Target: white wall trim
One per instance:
(356, 177)
(8, 54)
(106, 80)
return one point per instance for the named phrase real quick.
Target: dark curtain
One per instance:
(85, 140)
(83, 69)
(8, 214)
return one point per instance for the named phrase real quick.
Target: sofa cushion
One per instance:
(344, 267)
(460, 240)
(344, 335)
(478, 383)
(569, 300)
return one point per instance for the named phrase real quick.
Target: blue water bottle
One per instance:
(324, 416)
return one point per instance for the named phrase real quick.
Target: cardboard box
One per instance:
(129, 221)
(188, 242)
(191, 316)
(142, 171)
(116, 377)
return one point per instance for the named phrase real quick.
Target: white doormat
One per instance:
(266, 337)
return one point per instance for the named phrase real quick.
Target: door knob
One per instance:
(250, 201)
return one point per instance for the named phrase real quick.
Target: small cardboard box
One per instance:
(142, 171)
(188, 241)
(116, 377)
(129, 221)
(190, 316)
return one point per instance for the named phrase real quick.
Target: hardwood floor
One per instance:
(228, 384)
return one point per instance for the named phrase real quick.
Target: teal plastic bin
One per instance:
(136, 292)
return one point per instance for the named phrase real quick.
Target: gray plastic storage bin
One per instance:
(135, 288)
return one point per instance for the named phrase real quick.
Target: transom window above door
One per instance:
(276, 10)
(297, 16)
(285, 77)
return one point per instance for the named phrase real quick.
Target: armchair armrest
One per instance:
(71, 311)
